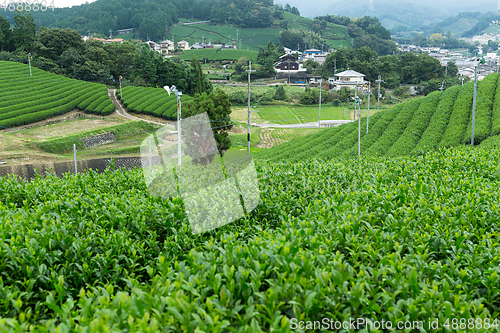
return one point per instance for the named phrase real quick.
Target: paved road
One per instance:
(121, 111)
(324, 123)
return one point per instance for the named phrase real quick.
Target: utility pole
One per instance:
(29, 62)
(369, 100)
(478, 62)
(474, 105)
(249, 70)
(121, 95)
(442, 87)
(178, 94)
(359, 126)
(319, 119)
(355, 98)
(378, 96)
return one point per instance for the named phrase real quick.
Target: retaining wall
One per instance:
(27, 171)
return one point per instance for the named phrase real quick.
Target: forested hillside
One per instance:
(440, 120)
(151, 18)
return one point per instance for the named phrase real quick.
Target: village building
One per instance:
(348, 78)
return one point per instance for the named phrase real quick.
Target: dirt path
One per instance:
(121, 111)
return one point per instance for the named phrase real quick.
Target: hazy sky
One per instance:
(70, 3)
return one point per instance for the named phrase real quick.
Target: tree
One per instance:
(493, 45)
(218, 108)
(6, 39)
(200, 85)
(53, 42)
(295, 11)
(24, 31)
(280, 93)
(70, 57)
(267, 59)
(452, 69)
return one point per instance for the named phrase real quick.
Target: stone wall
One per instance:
(98, 140)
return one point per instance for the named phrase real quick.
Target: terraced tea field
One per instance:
(252, 38)
(151, 101)
(380, 238)
(26, 99)
(440, 120)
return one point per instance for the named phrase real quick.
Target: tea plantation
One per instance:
(25, 99)
(382, 238)
(152, 101)
(440, 120)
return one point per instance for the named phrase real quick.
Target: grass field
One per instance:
(218, 55)
(54, 142)
(283, 114)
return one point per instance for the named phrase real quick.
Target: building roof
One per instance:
(312, 51)
(349, 73)
(167, 41)
(287, 55)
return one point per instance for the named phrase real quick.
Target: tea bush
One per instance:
(25, 99)
(394, 239)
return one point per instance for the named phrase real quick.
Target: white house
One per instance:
(153, 46)
(183, 45)
(166, 45)
(348, 78)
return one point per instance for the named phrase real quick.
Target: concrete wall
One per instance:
(27, 171)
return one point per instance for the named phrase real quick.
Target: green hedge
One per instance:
(415, 129)
(484, 108)
(383, 119)
(92, 107)
(439, 121)
(108, 109)
(459, 117)
(495, 117)
(395, 129)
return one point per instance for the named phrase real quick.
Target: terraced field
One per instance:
(440, 120)
(252, 38)
(151, 101)
(25, 99)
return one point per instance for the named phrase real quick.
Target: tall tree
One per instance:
(6, 40)
(53, 42)
(24, 31)
(218, 108)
